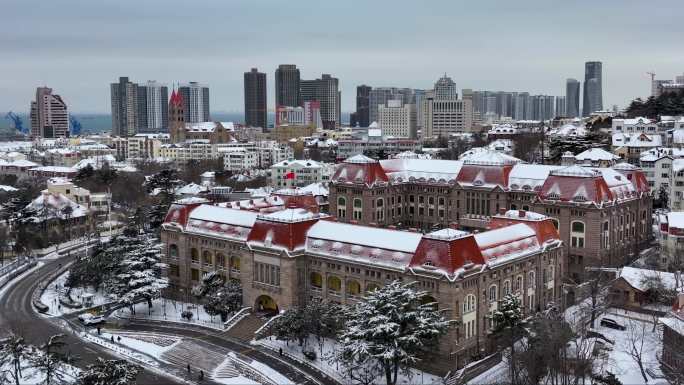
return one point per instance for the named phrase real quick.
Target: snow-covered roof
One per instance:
(529, 176)
(636, 139)
(490, 157)
(201, 127)
(316, 189)
(674, 323)
(678, 135)
(676, 219)
(56, 169)
(404, 169)
(290, 215)
(191, 189)
(18, 163)
(569, 130)
(633, 121)
(637, 278)
(304, 163)
(596, 154)
(95, 162)
(6, 188)
(360, 159)
(365, 236)
(56, 203)
(224, 215)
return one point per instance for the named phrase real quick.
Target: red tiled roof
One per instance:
(447, 254)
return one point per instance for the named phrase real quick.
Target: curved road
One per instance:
(17, 314)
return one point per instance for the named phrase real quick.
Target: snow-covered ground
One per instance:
(33, 376)
(322, 363)
(170, 311)
(139, 346)
(619, 361)
(50, 296)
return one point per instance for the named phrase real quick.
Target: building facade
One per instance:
(195, 98)
(152, 107)
(572, 98)
(255, 99)
(593, 88)
(363, 105)
(326, 91)
(124, 98)
(397, 119)
(289, 257)
(287, 91)
(603, 214)
(49, 115)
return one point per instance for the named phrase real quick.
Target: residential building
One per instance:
(287, 86)
(299, 173)
(572, 98)
(152, 107)
(124, 98)
(639, 124)
(603, 214)
(593, 88)
(379, 96)
(630, 290)
(284, 133)
(673, 339)
(671, 238)
(309, 114)
(596, 157)
(657, 166)
(398, 120)
(560, 106)
(374, 140)
(629, 146)
(445, 117)
(240, 159)
(676, 197)
(145, 146)
(363, 106)
(49, 116)
(288, 257)
(255, 99)
(195, 99)
(326, 91)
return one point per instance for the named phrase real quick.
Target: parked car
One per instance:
(90, 319)
(613, 324)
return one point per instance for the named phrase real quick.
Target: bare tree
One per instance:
(636, 344)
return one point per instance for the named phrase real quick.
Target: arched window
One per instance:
(380, 209)
(469, 303)
(173, 251)
(358, 209)
(518, 283)
(316, 280)
(577, 234)
(506, 287)
(220, 261)
(353, 288)
(371, 287)
(342, 207)
(235, 264)
(555, 223)
(531, 281)
(493, 293)
(334, 285)
(206, 258)
(194, 255)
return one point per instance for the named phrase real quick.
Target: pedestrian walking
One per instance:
(188, 368)
(98, 331)
(280, 351)
(201, 376)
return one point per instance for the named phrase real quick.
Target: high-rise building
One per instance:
(152, 107)
(326, 91)
(572, 98)
(445, 89)
(196, 102)
(397, 119)
(49, 116)
(593, 88)
(418, 98)
(362, 106)
(560, 106)
(124, 98)
(255, 99)
(287, 87)
(380, 95)
(656, 86)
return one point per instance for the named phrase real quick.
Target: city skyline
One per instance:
(82, 65)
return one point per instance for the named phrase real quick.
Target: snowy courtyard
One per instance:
(57, 289)
(171, 311)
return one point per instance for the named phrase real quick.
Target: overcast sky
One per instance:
(79, 47)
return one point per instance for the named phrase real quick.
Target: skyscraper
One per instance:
(379, 96)
(49, 116)
(153, 107)
(445, 89)
(444, 113)
(560, 106)
(195, 102)
(287, 86)
(593, 88)
(572, 98)
(124, 95)
(255, 99)
(363, 105)
(326, 91)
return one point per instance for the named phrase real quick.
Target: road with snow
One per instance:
(17, 314)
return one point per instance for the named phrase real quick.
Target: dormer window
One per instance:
(579, 198)
(553, 196)
(428, 263)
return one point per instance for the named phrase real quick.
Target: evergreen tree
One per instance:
(390, 328)
(221, 298)
(14, 353)
(109, 372)
(508, 318)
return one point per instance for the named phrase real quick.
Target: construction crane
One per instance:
(16, 122)
(75, 126)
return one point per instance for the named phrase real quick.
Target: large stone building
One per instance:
(291, 256)
(603, 214)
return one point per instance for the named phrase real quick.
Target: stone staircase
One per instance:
(226, 370)
(245, 328)
(198, 356)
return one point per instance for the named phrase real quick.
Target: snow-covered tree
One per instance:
(14, 354)
(141, 274)
(50, 359)
(508, 319)
(109, 372)
(390, 328)
(221, 298)
(291, 326)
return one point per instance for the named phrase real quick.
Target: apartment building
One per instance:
(398, 120)
(299, 173)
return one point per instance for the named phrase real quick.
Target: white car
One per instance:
(89, 319)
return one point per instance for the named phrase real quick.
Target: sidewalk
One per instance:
(170, 311)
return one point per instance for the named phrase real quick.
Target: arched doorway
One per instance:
(428, 299)
(265, 305)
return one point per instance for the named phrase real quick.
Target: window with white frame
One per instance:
(342, 207)
(577, 234)
(469, 304)
(506, 287)
(493, 292)
(358, 209)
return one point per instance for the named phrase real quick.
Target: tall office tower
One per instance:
(418, 98)
(153, 107)
(560, 106)
(196, 102)
(398, 119)
(380, 95)
(679, 79)
(572, 98)
(124, 96)
(49, 116)
(593, 88)
(362, 106)
(445, 114)
(325, 90)
(255, 99)
(287, 86)
(445, 89)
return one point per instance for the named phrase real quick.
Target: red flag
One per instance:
(290, 175)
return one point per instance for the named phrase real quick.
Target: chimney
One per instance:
(522, 213)
(453, 225)
(502, 210)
